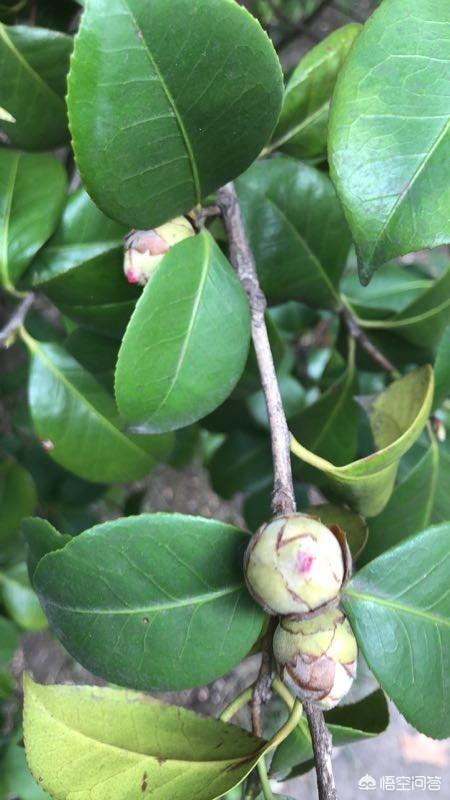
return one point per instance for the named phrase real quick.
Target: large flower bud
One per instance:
(295, 565)
(145, 249)
(317, 657)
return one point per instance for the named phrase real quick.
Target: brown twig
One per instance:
(7, 334)
(357, 333)
(322, 747)
(283, 499)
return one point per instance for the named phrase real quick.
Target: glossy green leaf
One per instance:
(170, 94)
(353, 525)
(398, 417)
(419, 500)
(243, 463)
(442, 370)
(329, 426)
(152, 602)
(347, 724)
(303, 125)
(123, 744)
(17, 497)
(96, 353)
(399, 609)
(423, 321)
(300, 245)
(41, 538)
(78, 423)
(83, 262)
(389, 139)
(32, 191)
(392, 289)
(20, 600)
(33, 64)
(9, 642)
(187, 342)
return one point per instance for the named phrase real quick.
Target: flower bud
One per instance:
(295, 565)
(317, 657)
(145, 249)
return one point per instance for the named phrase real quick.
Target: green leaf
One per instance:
(19, 599)
(9, 642)
(41, 538)
(187, 342)
(83, 262)
(424, 320)
(33, 64)
(303, 125)
(389, 140)
(397, 420)
(16, 779)
(399, 609)
(17, 497)
(392, 289)
(329, 426)
(441, 370)
(420, 499)
(300, 247)
(170, 94)
(78, 422)
(347, 724)
(152, 602)
(123, 744)
(353, 525)
(243, 463)
(96, 353)
(32, 191)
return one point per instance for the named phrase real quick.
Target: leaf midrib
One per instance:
(73, 389)
(191, 325)
(138, 755)
(296, 129)
(323, 275)
(400, 607)
(171, 101)
(27, 67)
(195, 600)
(408, 188)
(8, 207)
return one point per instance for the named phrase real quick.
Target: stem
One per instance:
(236, 704)
(360, 336)
(8, 333)
(290, 725)
(322, 747)
(262, 689)
(264, 779)
(283, 692)
(283, 499)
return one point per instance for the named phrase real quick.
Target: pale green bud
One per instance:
(145, 249)
(317, 657)
(295, 565)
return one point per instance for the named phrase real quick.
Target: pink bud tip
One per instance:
(304, 562)
(132, 276)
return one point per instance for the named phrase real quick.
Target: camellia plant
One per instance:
(187, 256)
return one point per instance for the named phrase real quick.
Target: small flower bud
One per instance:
(295, 565)
(145, 249)
(317, 657)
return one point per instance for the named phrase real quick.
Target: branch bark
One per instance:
(359, 335)
(7, 333)
(283, 498)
